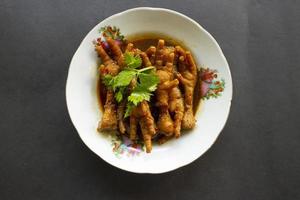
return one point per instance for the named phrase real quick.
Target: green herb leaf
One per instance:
(123, 79)
(119, 94)
(107, 79)
(132, 61)
(129, 108)
(149, 81)
(138, 95)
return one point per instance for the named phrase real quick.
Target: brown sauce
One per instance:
(143, 42)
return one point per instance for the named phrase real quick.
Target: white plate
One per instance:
(83, 105)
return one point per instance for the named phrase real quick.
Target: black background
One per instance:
(255, 157)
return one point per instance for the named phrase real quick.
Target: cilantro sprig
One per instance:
(146, 79)
(132, 61)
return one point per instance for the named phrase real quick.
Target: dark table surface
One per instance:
(257, 155)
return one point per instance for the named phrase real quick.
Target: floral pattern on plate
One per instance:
(211, 87)
(124, 146)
